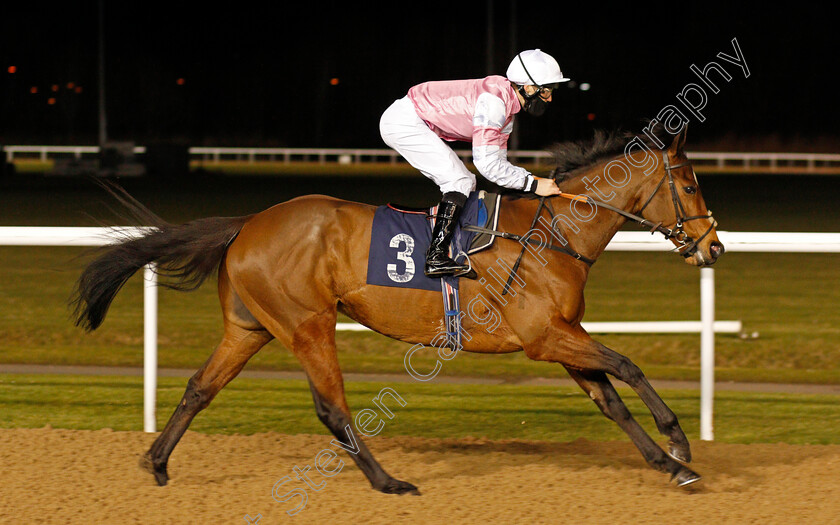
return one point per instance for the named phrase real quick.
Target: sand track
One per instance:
(69, 476)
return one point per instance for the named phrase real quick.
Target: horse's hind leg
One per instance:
(601, 391)
(243, 337)
(237, 346)
(314, 345)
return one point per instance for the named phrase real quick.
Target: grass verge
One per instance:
(250, 406)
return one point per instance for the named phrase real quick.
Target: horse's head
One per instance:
(674, 200)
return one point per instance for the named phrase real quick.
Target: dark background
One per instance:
(258, 75)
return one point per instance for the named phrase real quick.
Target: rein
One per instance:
(687, 245)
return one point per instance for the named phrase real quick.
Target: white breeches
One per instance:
(406, 133)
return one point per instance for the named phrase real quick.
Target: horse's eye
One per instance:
(691, 190)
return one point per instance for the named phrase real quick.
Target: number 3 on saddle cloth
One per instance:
(401, 236)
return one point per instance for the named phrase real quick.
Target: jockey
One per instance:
(480, 111)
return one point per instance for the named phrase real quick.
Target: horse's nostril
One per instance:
(716, 249)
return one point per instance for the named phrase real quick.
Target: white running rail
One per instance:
(213, 155)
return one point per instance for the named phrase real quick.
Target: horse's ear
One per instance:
(678, 144)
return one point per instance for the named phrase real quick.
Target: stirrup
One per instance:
(469, 274)
(434, 272)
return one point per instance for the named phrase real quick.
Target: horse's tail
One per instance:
(186, 254)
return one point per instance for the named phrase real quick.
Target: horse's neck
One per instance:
(590, 235)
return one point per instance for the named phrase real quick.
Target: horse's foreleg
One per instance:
(584, 353)
(601, 391)
(237, 346)
(314, 344)
(573, 348)
(666, 421)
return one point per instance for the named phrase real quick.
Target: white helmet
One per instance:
(535, 68)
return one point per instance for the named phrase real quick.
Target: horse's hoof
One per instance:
(395, 486)
(161, 477)
(685, 476)
(679, 452)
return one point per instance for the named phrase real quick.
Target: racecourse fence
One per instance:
(795, 242)
(703, 161)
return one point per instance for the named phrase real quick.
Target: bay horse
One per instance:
(284, 273)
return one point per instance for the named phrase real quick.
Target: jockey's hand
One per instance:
(546, 187)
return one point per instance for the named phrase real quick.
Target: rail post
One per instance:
(150, 308)
(707, 352)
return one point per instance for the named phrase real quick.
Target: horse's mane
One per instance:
(570, 157)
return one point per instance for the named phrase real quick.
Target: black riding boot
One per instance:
(438, 262)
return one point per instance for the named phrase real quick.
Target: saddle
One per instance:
(400, 236)
(487, 219)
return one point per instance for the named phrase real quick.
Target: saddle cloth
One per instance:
(400, 237)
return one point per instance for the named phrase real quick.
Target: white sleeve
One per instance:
(490, 136)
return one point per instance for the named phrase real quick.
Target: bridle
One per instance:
(687, 245)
